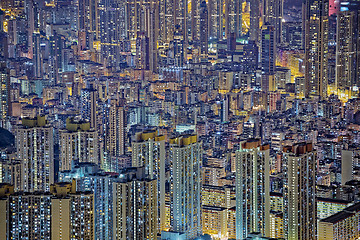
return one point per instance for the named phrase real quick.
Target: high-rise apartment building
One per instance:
(185, 185)
(38, 56)
(216, 16)
(135, 206)
(101, 185)
(204, 28)
(214, 221)
(88, 21)
(316, 24)
(148, 151)
(112, 29)
(115, 142)
(348, 50)
(61, 213)
(30, 216)
(4, 91)
(35, 147)
(255, 18)
(349, 158)
(78, 143)
(299, 192)
(88, 105)
(10, 172)
(216, 204)
(142, 59)
(181, 17)
(252, 189)
(273, 14)
(325, 207)
(233, 18)
(142, 19)
(342, 225)
(166, 20)
(268, 49)
(268, 57)
(72, 212)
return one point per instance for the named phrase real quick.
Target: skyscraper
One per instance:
(185, 185)
(4, 92)
(299, 192)
(233, 17)
(35, 147)
(77, 144)
(72, 212)
(216, 16)
(112, 29)
(135, 206)
(268, 49)
(273, 14)
(166, 20)
(62, 213)
(143, 19)
(142, 60)
(88, 21)
(181, 18)
(37, 58)
(348, 50)
(115, 143)
(316, 14)
(88, 105)
(268, 57)
(30, 216)
(101, 185)
(252, 189)
(204, 28)
(255, 16)
(148, 151)
(178, 48)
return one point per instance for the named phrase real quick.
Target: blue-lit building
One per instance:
(90, 178)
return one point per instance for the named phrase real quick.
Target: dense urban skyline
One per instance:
(179, 119)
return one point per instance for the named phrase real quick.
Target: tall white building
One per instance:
(185, 185)
(299, 192)
(78, 144)
(316, 31)
(4, 92)
(135, 206)
(115, 143)
(61, 213)
(148, 151)
(35, 147)
(252, 189)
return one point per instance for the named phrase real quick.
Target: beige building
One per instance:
(115, 142)
(35, 147)
(148, 151)
(72, 213)
(343, 225)
(185, 185)
(214, 221)
(135, 206)
(216, 204)
(78, 143)
(276, 225)
(316, 27)
(62, 214)
(252, 188)
(299, 192)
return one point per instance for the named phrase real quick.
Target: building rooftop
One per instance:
(213, 208)
(346, 213)
(338, 217)
(331, 200)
